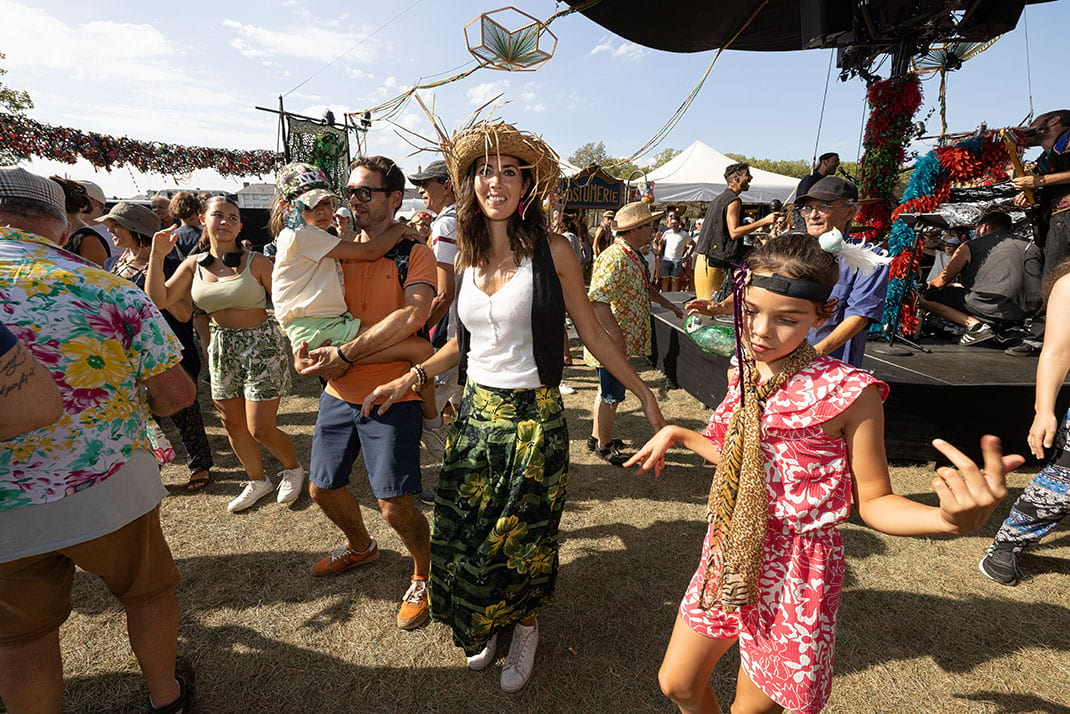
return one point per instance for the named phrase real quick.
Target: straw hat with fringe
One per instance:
(496, 138)
(486, 138)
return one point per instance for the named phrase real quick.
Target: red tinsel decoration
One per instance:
(26, 137)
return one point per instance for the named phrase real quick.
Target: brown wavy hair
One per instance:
(473, 237)
(183, 205)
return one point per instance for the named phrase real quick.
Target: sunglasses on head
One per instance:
(363, 193)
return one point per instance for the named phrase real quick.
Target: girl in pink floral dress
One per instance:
(801, 438)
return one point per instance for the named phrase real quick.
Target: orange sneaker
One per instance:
(343, 558)
(414, 611)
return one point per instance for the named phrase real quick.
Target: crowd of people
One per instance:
(451, 332)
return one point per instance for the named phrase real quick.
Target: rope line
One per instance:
(821, 117)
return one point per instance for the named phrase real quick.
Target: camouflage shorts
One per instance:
(248, 361)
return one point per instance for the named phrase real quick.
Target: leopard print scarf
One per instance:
(738, 502)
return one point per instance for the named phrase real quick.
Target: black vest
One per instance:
(714, 241)
(547, 319)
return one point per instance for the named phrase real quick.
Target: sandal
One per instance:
(198, 481)
(186, 692)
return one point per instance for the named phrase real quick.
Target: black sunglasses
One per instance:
(363, 193)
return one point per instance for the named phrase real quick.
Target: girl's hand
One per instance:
(1042, 433)
(652, 455)
(387, 394)
(163, 241)
(968, 495)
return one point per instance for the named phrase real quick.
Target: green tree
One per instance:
(590, 153)
(12, 101)
(663, 158)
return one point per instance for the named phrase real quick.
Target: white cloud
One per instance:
(356, 73)
(304, 40)
(485, 92)
(625, 51)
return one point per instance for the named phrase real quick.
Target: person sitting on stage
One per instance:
(992, 281)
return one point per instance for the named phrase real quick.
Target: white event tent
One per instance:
(697, 174)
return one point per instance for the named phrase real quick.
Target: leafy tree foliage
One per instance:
(12, 101)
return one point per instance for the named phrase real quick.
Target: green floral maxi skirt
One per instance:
(497, 509)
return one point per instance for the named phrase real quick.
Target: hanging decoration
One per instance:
(322, 145)
(892, 105)
(519, 49)
(522, 49)
(979, 157)
(25, 138)
(944, 58)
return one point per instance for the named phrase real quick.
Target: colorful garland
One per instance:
(978, 157)
(892, 104)
(26, 137)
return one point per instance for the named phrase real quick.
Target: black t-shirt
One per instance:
(1054, 161)
(806, 183)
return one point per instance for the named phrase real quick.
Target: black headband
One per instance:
(792, 287)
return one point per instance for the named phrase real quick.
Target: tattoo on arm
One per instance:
(16, 372)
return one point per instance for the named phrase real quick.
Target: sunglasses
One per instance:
(363, 193)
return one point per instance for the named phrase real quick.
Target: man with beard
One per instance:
(393, 297)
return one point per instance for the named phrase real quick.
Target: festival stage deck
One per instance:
(957, 393)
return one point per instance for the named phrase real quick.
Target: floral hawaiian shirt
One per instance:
(620, 279)
(99, 337)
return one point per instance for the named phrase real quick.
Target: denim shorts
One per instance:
(611, 391)
(390, 443)
(671, 268)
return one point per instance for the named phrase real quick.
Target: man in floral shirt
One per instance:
(85, 490)
(620, 293)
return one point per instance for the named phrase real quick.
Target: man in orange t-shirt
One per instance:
(389, 442)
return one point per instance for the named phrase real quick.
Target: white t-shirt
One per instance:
(674, 244)
(304, 282)
(444, 235)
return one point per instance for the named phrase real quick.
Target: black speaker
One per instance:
(822, 21)
(990, 18)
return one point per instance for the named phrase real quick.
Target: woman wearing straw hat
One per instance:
(505, 471)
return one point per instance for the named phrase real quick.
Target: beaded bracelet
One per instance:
(421, 375)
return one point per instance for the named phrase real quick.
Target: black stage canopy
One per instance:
(862, 30)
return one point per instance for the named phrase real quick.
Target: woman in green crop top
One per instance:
(247, 357)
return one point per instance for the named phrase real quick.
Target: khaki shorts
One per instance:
(35, 592)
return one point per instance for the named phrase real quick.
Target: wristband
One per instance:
(338, 351)
(421, 375)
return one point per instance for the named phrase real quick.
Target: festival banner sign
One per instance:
(592, 188)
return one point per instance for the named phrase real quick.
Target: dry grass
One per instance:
(921, 630)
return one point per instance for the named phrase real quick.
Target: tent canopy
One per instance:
(697, 174)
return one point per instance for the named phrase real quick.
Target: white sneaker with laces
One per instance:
(290, 483)
(253, 492)
(478, 662)
(566, 389)
(520, 662)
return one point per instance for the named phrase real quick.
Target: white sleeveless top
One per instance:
(502, 350)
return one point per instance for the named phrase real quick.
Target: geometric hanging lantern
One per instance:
(524, 48)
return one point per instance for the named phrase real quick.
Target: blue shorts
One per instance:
(611, 391)
(671, 268)
(390, 442)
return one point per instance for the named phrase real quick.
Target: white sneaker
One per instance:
(290, 483)
(520, 662)
(479, 662)
(253, 492)
(565, 389)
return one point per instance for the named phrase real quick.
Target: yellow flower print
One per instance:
(110, 411)
(519, 557)
(473, 488)
(496, 615)
(527, 437)
(541, 561)
(94, 363)
(545, 402)
(506, 531)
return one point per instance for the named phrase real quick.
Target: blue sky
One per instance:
(191, 73)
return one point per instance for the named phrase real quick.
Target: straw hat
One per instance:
(634, 215)
(496, 138)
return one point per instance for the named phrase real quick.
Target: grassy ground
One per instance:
(920, 629)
